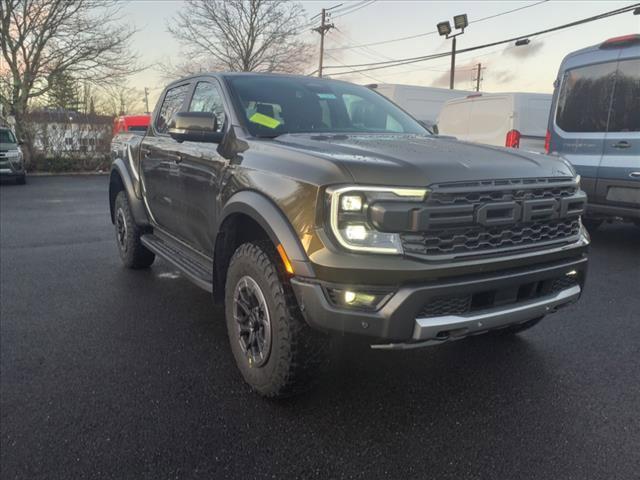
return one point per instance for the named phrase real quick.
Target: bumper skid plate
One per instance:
(435, 330)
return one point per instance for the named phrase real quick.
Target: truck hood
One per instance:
(420, 160)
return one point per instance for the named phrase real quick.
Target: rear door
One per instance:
(201, 172)
(491, 118)
(619, 172)
(531, 116)
(580, 119)
(160, 164)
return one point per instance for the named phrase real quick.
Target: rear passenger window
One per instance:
(207, 98)
(170, 106)
(625, 108)
(585, 97)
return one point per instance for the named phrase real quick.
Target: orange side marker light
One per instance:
(285, 260)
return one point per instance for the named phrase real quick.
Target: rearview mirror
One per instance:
(195, 127)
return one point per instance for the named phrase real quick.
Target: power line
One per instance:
(405, 61)
(347, 47)
(342, 13)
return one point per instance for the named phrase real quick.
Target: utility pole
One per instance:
(478, 77)
(322, 30)
(146, 100)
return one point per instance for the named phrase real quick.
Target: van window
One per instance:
(625, 108)
(585, 96)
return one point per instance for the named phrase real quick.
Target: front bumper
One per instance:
(11, 168)
(399, 324)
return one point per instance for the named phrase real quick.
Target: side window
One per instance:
(625, 108)
(585, 96)
(207, 98)
(170, 106)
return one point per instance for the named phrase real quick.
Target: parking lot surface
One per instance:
(111, 373)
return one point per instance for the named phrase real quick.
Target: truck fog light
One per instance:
(363, 300)
(351, 203)
(572, 273)
(356, 232)
(349, 296)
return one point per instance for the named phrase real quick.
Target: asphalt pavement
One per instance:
(111, 373)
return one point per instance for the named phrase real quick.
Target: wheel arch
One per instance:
(249, 215)
(120, 180)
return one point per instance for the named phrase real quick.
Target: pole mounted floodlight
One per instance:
(523, 41)
(444, 29)
(460, 22)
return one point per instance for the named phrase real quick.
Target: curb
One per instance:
(64, 174)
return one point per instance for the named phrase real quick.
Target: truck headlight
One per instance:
(349, 217)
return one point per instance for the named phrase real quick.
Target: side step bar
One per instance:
(195, 267)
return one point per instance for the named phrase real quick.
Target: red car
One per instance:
(131, 123)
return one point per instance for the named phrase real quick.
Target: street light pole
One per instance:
(453, 63)
(444, 30)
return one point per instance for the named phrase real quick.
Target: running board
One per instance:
(191, 264)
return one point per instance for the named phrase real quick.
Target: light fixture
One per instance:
(444, 28)
(460, 21)
(351, 203)
(522, 41)
(356, 232)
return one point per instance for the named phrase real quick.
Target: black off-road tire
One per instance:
(520, 327)
(297, 353)
(132, 252)
(21, 179)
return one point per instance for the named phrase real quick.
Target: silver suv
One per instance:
(11, 162)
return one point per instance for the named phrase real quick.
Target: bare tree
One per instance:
(43, 39)
(243, 35)
(120, 100)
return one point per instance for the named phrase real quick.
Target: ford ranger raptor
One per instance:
(315, 208)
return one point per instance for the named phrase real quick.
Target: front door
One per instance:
(160, 165)
(201, 173)
(619, 173)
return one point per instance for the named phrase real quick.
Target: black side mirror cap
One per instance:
(195, 127)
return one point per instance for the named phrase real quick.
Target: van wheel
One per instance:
(277, 353)
(132, 252)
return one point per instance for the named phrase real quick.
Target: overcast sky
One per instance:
(507, 68)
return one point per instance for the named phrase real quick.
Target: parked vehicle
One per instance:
(595, 124)
(313, 208)
(131, 123)
(423, 103)
(11, 160)
(516, 120)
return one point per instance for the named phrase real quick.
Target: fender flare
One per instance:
(274, 222)
(119, 168)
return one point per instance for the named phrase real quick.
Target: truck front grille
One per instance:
(448, 237)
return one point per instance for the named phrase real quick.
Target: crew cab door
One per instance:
(160, 164)
(619, 172)
(201, 172)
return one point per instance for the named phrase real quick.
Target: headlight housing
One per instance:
(350, 221)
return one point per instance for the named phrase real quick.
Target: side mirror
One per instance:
(20, 143)
(195, 127)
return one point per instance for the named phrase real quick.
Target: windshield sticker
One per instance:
(264, 120)
(327, 96)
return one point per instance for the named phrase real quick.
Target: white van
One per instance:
(516, 120)
(423, 103)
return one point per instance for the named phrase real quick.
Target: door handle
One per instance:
(622, 144)
(634, 174)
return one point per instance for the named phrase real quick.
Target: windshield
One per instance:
(275, 105)
(6, 136)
